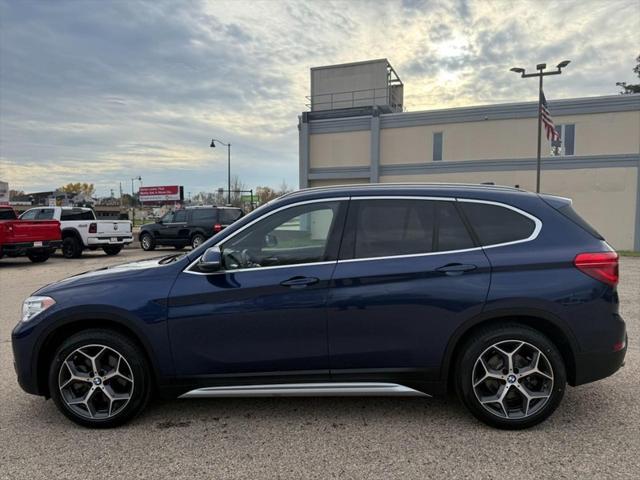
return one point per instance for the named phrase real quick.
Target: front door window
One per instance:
(297, 235)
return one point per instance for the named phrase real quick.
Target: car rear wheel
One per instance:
(71, 247)
(510, 376)
(197, 240)
(112, 249)
(147, 242)
(38, 257)
(99, 379)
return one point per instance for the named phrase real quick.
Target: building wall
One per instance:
(596, 193)
(494, 143)
(339, 149)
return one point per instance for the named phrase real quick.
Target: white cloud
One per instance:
(139, 88)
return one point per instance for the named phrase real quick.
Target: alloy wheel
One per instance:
(146, 242)
(512, 379)
(96, 381)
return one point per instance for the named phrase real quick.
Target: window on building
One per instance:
(566, 145)
(437, 146)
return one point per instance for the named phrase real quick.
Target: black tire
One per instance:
(135, 363)
(197, 240)
(38, 257)
(509, 336)
(112, 249)
(71, 247)
(147, 242)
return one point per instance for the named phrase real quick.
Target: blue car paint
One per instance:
(375, 315)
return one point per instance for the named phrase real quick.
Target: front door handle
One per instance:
(299, 282)
(453, 269)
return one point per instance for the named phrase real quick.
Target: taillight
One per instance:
(602, 266)
(217, 227)
(93, 228)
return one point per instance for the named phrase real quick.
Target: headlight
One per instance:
(32, 306)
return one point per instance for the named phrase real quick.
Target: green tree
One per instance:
(86, 189)
(635, 88)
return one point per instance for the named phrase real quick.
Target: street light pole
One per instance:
(541, 73)
(228, 145)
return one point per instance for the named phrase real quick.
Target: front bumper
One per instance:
(100, 241)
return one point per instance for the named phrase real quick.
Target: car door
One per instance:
(162, 228)
(175, 231)
(265, 311)
(409, 273)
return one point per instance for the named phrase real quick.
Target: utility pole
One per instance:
(228, 145)
(541, 73)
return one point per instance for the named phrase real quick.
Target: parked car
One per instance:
(81, 229)
(189, 226)
(503, 295)
(36, 240)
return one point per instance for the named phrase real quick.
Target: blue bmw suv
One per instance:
(501, 295)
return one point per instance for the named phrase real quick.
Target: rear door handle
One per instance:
(456, 268)
(299, 282)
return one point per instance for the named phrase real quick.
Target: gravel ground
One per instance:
(594, 433)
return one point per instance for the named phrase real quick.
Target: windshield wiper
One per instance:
(170, 258)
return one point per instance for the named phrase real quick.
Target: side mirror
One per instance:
(211, 260)
(270, 240)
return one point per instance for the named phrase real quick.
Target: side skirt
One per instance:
(348, 389)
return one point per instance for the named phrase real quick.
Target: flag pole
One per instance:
(540, 67)
(538, 160)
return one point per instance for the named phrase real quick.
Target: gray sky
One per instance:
(101, 91)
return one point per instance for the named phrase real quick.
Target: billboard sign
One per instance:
(164, 193)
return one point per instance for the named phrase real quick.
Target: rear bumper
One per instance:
(592, 366)
(100, 241)
(22, 248)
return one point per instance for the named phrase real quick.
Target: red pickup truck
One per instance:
(36, 239)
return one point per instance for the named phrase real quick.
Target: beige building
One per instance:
(365, 137)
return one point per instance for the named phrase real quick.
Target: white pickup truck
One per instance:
(81, 230)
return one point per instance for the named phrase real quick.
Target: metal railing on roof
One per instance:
(384, 96)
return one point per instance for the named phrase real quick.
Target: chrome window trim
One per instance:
(262, 217)
(533, 236)
(537, 222)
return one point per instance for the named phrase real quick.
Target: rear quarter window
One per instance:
(495, 224)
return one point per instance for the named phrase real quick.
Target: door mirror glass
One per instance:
(211, 259)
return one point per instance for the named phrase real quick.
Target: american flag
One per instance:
(550, 128)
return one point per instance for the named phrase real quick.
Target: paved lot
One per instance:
(594, 434)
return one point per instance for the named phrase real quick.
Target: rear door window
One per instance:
(227, 216)
(204, 215)
(180, 216)
(389, 227)
(495, 224)
(45, 214)
(452, 232)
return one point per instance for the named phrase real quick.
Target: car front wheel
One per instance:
(99, 378)
(510, 376)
